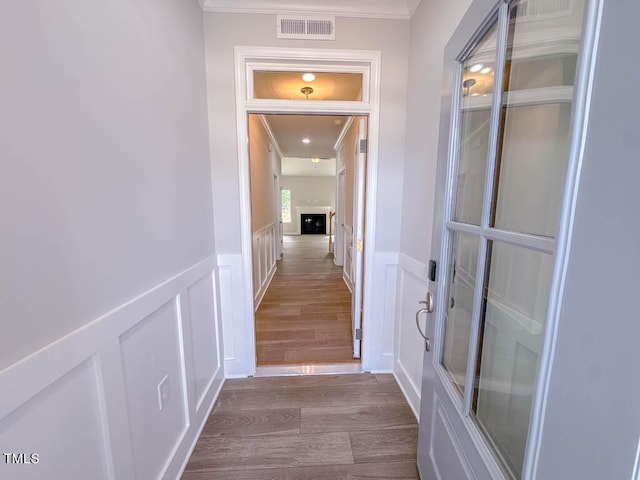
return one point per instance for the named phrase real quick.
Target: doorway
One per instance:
(305, 311)
(366, 66)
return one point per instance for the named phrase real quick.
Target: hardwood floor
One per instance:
(323, 427)
(305, 316)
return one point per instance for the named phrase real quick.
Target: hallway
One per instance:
(337, 427)
(305, 316)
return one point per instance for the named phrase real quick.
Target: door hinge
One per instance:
(363, 145)
(360, 245)
(358, 334)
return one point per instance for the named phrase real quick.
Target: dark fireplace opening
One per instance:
(313, 223)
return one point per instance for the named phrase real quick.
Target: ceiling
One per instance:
(321, 130)
(396, 9)
(304, 167)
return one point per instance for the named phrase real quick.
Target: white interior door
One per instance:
(338, 250)
(505, 174)
(358, 236)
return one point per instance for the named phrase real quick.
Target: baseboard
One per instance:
(347, 283)
(410, 391)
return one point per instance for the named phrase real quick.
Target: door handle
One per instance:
(428, 308)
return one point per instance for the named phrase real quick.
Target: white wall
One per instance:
(108, 270)
(432, 25)
(222, 33)
(264, 168)
(308, 192)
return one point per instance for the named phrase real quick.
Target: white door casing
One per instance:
(248, 59)
(451, 443)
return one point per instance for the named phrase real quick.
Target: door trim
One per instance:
(246, 60)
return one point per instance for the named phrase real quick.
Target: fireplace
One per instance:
(313, 223)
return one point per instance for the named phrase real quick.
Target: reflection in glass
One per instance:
(536, 115)
(462, 282)
(477, 85)
(514, 312)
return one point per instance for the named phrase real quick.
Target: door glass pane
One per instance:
(514, 313)
(307, 85)
(462, 275)
(533, 148)
(475, 120)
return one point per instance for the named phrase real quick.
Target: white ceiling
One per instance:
(322, 130)
(398, 9)
(304, 167)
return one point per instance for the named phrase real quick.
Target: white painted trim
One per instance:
(99, 342)
(272, 138)
(245, 57)
(386, 9)
(45, 366)
(340, 139)
(265, 287)
(409, 389)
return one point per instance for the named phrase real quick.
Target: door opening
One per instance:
(308, 303)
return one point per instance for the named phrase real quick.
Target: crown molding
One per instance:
(386, 9)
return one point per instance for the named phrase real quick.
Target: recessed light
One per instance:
(308, 77)
(476, 68)
(306, 140)
(485, 70)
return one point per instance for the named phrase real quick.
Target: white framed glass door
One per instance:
(503, 173)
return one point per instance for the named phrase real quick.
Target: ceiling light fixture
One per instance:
(308, 77)
(306, 140)
(476, 68)
(315, 160)
(485, 70)
(306, 91)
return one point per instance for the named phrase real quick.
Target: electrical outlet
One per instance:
(163, 392)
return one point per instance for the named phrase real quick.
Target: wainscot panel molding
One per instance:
(411, 288)
(380, 313)
(96, 391)
(264, 260)
(239, 348)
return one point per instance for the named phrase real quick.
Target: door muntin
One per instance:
(507, 171)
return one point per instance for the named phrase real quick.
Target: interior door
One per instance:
(503, 177)
(358, 236)
(338, 250)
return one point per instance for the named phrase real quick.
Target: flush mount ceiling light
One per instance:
(306, 140)
(308, 77)
(306, 91)
(485, 70)
(315, 160)
(476, 68)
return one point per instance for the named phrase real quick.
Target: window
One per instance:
(286, 206)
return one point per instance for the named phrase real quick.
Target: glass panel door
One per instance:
(507, 176)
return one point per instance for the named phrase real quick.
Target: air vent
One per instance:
(306, 28)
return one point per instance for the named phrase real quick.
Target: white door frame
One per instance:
(367, 62)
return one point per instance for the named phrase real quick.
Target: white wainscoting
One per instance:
(237, 328)
(88, 403)
(378, 327)
(347, 268)
(409, 345)
(265, 250)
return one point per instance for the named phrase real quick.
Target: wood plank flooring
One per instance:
(323, 427)
(305, 316)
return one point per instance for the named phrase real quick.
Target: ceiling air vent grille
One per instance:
(306, 28)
